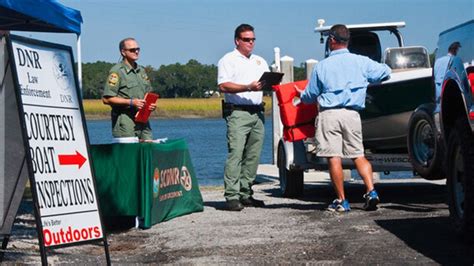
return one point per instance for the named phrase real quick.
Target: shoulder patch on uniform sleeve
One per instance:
(113, 79)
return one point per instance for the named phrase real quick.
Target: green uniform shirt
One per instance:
(126, 82)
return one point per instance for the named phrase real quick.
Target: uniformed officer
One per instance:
(124, 91)
(238, 75)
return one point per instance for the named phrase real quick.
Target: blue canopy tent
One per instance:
(39, 15)
(42, 16)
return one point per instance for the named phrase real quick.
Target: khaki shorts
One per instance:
(339, 134)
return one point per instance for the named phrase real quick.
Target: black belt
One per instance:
(248, 108)
(336, 108)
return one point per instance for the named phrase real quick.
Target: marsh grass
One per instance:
(170, 108)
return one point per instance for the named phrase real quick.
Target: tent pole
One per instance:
(79, 63)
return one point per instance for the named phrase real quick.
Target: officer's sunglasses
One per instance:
(133, 50)
(248, 39)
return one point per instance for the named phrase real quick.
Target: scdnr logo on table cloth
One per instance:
(171, 177)
(156, 182)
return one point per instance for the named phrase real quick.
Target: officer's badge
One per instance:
(113, 79)
(259, 62)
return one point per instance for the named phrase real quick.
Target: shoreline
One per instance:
(176, 108)
(184, 115)
(153, 117)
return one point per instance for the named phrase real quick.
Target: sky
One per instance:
(175, 31)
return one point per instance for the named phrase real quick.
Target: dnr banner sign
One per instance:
(175, 187)
(54, 131)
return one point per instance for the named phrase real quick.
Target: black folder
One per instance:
(269, 79)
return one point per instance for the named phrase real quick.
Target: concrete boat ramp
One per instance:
(410, 227)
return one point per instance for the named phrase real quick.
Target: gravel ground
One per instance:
(410, 227)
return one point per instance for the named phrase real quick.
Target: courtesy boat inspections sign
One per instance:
(58, 146)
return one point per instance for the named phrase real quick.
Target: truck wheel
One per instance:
(460, 181)
(291, 181)
(424, 147)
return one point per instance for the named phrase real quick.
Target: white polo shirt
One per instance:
(237, 68)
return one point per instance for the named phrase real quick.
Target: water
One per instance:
(206, 139)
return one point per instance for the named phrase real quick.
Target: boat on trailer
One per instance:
(398, 129)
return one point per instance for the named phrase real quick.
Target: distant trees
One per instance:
(93, 78)
(176, 80)
(432, 58)
(191, 80)
(299, 72)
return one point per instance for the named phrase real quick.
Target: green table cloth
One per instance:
(154, 181)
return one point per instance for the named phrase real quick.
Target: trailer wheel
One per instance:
(460, 181)
(291, 181)
(424, 147)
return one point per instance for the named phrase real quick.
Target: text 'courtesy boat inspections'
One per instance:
(52, 115)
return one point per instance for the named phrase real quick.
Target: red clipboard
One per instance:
(144, 113)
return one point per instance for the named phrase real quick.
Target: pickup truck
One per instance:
(398, 126)
(456, 122)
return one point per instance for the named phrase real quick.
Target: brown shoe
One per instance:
(234, 205)
(251, 202)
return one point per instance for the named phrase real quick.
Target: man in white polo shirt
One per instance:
(238, 75)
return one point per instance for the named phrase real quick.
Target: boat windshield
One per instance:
(407, 57)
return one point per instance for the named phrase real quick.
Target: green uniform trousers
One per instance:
(245, 135)
(124, 126)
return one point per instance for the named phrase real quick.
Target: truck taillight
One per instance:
(471, 79)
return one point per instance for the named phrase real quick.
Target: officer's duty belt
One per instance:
(248, 108)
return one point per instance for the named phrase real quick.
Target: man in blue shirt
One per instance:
(439, 70)
(338, 85)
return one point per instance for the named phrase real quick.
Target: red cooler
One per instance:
(297, 119)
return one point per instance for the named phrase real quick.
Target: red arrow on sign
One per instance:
(69, 159)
